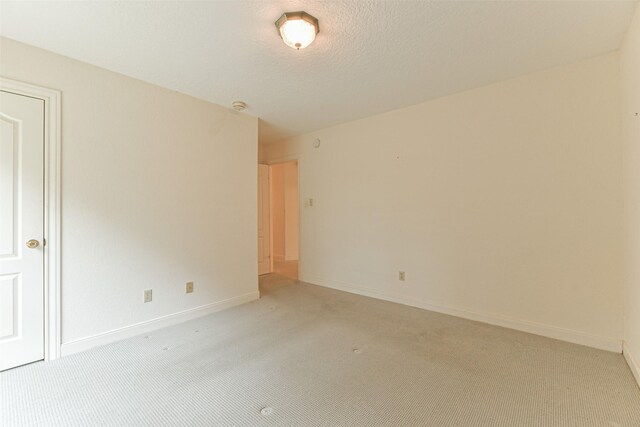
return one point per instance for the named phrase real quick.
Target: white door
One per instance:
(264, 244)
(21, 230)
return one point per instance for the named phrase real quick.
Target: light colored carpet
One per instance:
(293, 353)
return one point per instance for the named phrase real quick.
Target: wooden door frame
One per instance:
(276, 161)
(52, 190)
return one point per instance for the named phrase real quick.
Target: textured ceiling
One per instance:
(369, 57)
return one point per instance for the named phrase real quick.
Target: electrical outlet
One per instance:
(401, 276)
(189, 287)
(148, 295)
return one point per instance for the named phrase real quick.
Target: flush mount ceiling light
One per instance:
(297, 29)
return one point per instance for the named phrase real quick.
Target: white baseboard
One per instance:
(87, 343)
(563, 334)
(632, 362)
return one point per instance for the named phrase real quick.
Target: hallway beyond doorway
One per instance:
(286, 268)
(278, 219)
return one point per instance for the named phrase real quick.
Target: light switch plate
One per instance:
(148, 295)
(189, 287)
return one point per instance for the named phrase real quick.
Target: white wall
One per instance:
(630, 89)
(158, 189)
(502, 204)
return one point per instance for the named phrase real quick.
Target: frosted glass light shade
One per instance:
(297, 29)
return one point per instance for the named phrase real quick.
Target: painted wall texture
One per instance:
(630, 90)
(502, 204)
(158, 189)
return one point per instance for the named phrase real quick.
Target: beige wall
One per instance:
(502, 204)
(291, 210)
(284, 210)
(630, 89)
(277, 211)
(158, 189)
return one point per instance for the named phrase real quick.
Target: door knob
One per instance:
(33, 243)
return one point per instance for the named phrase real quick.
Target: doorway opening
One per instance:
(278, 230)
(284, 218)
